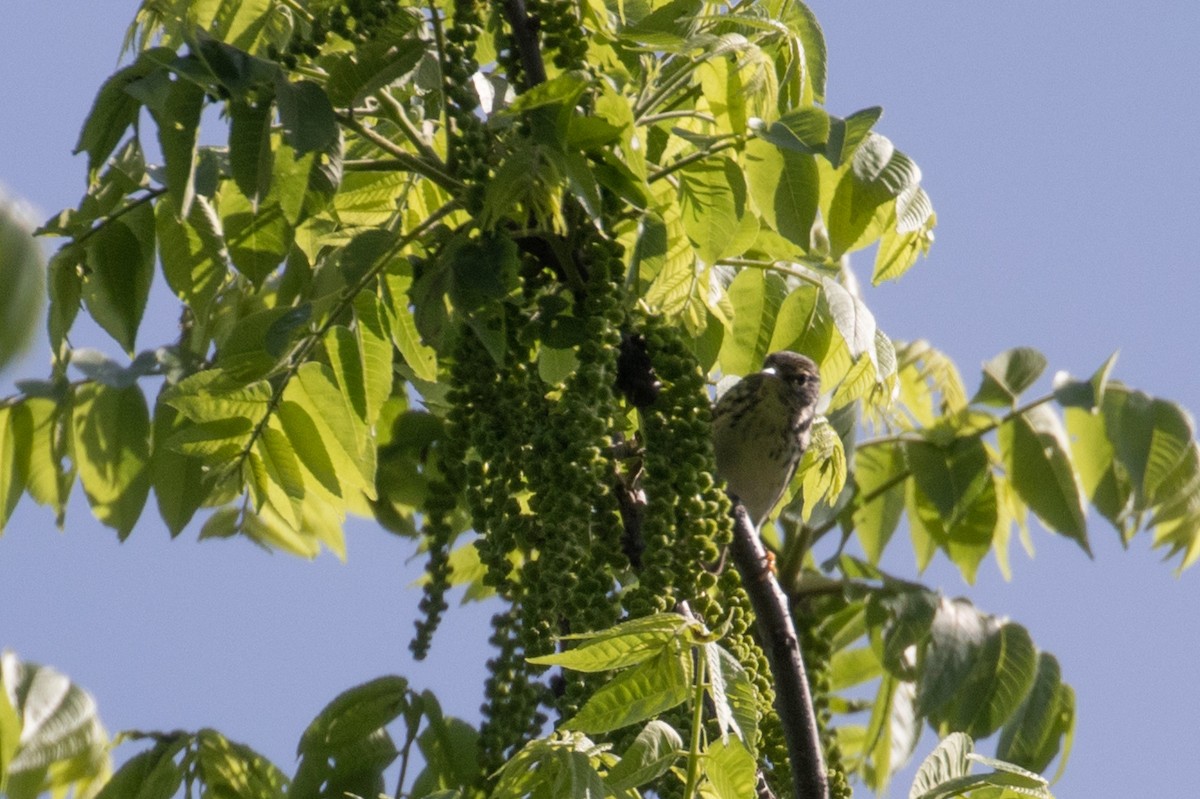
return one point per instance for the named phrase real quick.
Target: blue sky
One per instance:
(1057, 143)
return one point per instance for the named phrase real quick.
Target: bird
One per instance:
(761, 427)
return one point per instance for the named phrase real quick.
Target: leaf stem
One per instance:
(406, 159)
(665, 115)
(400, 117)
(699, 155)
(693, 768)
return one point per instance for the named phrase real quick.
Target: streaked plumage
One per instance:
(761, 428)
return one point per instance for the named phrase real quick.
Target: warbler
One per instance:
(761, 427)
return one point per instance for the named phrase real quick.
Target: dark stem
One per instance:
(526, 40)
(793, 701)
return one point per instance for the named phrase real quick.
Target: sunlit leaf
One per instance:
(112, 445)
(783, 187)
(650, 755)
(1035, 449)
(712, 198)
(637, 694)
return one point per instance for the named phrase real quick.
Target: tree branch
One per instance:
(792, 698)
(526, 40)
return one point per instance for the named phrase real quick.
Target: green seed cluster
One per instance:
(438, 529)
(686, 523)
(538, 458)
(466, 135)
(561, 32)
(817, 648)
(353, 20)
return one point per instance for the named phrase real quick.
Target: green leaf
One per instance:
(853, 320)
(712, 198)
(899, 249)
(234, 68)
(257, 342)
(898, 621)
(957, 633)
(1034, 446)
(178, 120)
(966, 538)
(450, 747)
(343, 437)
(21, 275)
(375, 346)
(1103, 482)
(626, 644)
(892, 733)
(805, 130)
(1034, 735)
(192, 251)
(419, 357)
(61, 744)
(211, 395)
(977, 670)
(652, 687)
(65, 287)
(10, 734)
(950, 477)
(258, 238)
(946, 762)
(230, 769)
(756, 297)
(664, 26)
(45, 424)
(1149, 436)
(355, 714)
(1007, 375)
(251, 158)
(14, 455)
(307, 116)
(372, 66)
(1000, 679)
(482, 271)
(880, 474)
(812, 39)
(181, 484)
(846, 134)
(739, 695)
(120, 260)
(112, 448)
(784, 187)
(279, 480)
(216, 441)
(115, 110)
(731, 769)
(803, 324)
(652, 753)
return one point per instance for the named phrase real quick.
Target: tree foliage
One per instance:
(470, 269)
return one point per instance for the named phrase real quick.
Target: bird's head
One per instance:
(798, 373)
